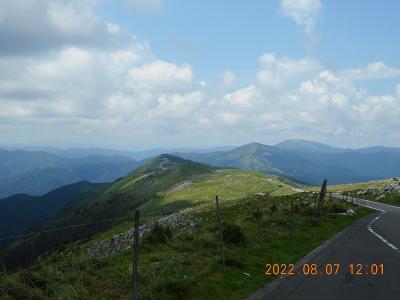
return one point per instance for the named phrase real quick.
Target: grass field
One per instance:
(186, 264)
(228, 184)
(266, 219)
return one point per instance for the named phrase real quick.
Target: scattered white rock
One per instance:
(393, 187)
(261, 194)
(123, 241)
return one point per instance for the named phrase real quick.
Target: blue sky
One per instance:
(218, 35)
(146, 73)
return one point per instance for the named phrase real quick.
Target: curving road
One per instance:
(371, 240)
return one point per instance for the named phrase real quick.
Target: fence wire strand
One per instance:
(60, 229)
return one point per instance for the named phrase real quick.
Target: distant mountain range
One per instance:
(315, 147)
(37, 172)
(75, 153)
(308, 162)
(307, 146)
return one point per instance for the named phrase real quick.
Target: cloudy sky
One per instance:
(146, 73)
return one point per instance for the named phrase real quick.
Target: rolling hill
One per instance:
(36, 173)
(120, 198)
(114, 201)
(164, 185)
(179, 258)
(306, 162)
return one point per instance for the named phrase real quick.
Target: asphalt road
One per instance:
(371, 240)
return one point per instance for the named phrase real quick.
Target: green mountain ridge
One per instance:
(115, 201)
(308, 166)
(36, 173)
(308, 146)
(164, 185)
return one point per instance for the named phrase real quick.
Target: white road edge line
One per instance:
(382, 204)
(369, 226)
(379, 236)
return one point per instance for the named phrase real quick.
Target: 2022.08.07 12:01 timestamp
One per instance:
(328, 269)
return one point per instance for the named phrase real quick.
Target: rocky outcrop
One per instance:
(393, 187)
(123, 241)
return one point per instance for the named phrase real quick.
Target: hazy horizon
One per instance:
(170, 147)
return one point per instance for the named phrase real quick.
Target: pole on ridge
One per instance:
(321, 197)
(135, 256)
(221, 238)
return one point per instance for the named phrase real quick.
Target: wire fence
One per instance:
(318, 206)
(59, 229)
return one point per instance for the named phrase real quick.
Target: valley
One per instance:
(179, 257)
(76, 240)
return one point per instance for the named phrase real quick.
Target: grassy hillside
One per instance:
(141, 186)
(113, 202)
(228, 184)
(183, 263)
(179, 249)
(164, 185)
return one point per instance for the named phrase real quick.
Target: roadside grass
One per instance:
(186, 265)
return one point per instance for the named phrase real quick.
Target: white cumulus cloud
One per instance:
(304, 12)
(86, 80)
(161, 75)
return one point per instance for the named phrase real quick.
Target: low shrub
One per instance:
(159, 234)
(32, 279)
(176, 289)
(234, 263)
(280, 220)
(337, 208)
(234, 234)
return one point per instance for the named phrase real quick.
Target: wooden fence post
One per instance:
(221, 237)
(291, 217)
(321, 197)
(135, 261)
